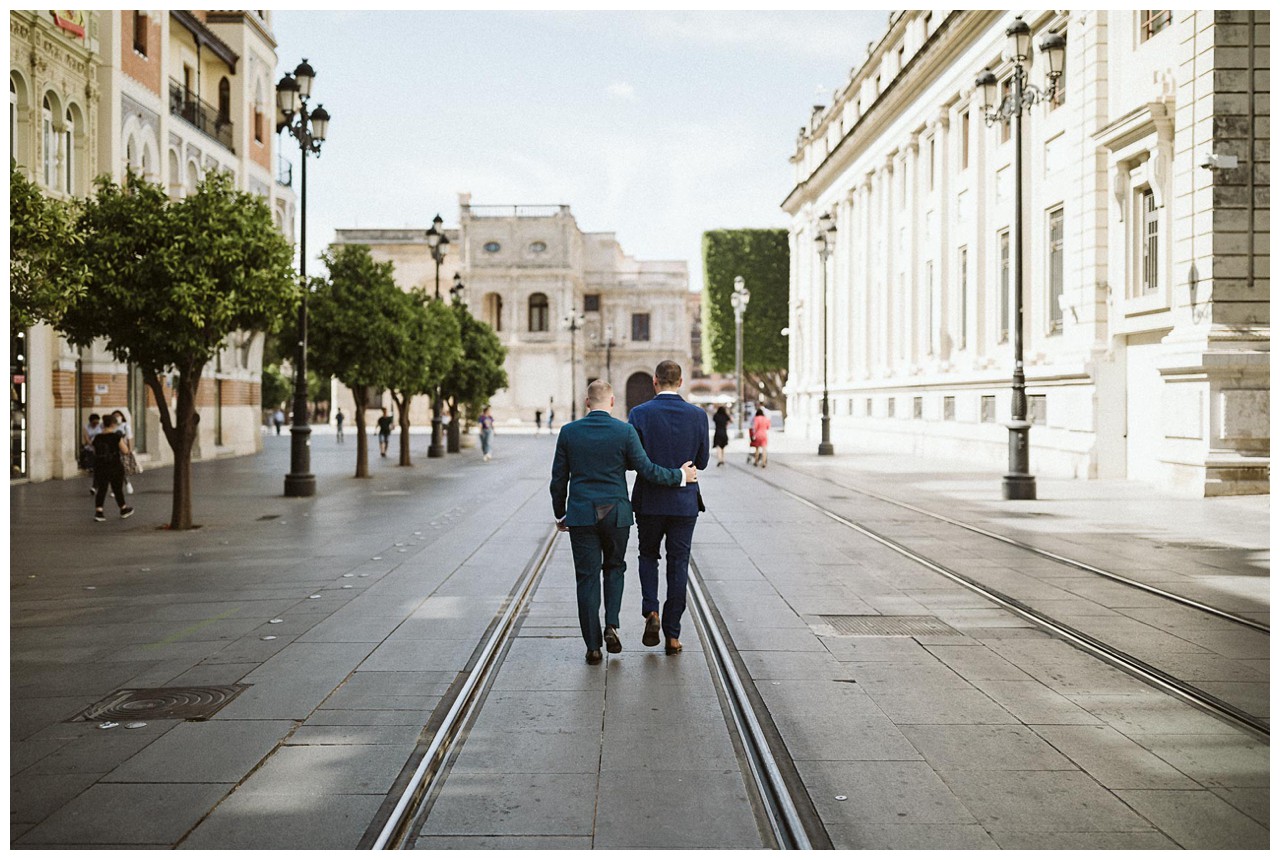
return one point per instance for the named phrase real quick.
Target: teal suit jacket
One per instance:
(593, 455)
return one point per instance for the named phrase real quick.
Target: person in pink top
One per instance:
(760, 438)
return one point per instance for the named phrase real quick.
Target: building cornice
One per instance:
(258, 26)
(206, 37)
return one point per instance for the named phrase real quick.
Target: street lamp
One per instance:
(309, 128)
(1019, 483)
(453, 438)
(573, 322)
(607, 345)
(739, 299)
(826, 242)
(438, 243)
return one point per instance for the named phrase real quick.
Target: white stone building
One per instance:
(1146, 274)
(527, 271)
(173, 95)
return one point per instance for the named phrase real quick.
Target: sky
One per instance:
(656, 126)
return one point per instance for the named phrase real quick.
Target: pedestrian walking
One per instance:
(338, 419)
(109, 446)
(122, 423)
(486, 433)
(551, 419)
(671, 431)
(384, 432)
(277, 418)
(589, 500)
(721, 440)
(760, 437)
(87, 434)
(537, 421)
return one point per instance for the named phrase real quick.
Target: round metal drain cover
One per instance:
(162, 703)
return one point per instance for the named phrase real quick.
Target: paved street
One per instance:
(979, 731)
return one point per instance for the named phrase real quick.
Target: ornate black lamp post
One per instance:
(739, 299)
(309, 128)
(454, 435)
(573, 322)
(1019, 483)
(825, 240)
(607, 345)
(438, 242)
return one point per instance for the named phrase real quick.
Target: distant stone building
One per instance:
(173, 95)
(528, 271)
(1146, 276)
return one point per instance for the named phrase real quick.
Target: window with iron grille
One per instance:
(591, 302)
(1004, 285)
(964, 141)
(1055, 269)
(988, 409)
(964, 298)
(1150, 243)
(1153, 21)
(868, 407)
(917, 407)
(933, 156)
(639, 326)
(948, 409)
(889, 406)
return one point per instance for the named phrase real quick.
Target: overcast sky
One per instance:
(653, 125)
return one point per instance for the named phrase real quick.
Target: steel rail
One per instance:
(394, 831)
(1044, 553)
(784, 820)
(1114, 656)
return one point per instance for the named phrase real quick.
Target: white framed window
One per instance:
(1055, 269)
(50, 145)
(1148, 243)
(963, 278)
(1002, 240)
(69, 157)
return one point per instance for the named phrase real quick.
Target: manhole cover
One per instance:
(888, 625)
(161, 703)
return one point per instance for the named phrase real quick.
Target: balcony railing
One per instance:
(201, 114)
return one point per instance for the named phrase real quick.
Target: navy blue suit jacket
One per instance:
(672, 432)
(593, 455)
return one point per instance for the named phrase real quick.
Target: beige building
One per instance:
(1146, 276)
(172, 94)
(528, 272)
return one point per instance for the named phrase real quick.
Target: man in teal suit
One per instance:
(589, 499)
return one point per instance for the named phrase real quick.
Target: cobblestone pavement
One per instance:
(987, 733)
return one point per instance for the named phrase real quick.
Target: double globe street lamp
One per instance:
(453, 436)
(1019, 483)
(574, 323)
(825, 239)
(438, 243)
(738, 299)
(309, 128)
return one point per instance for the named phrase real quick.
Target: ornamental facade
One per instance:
(528, 271)
(1144, 244)
(172, 95)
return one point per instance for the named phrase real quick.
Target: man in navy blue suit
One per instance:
(672, 432)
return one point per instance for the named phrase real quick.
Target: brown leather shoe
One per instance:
(652, 630)
(674, 646)
(594, 656)
(612, 643)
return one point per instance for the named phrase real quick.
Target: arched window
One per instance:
(69, 157)
(175, 175)
(13, 119)
(50, 144)
(193, 177)
(538, 312)
(224, 100)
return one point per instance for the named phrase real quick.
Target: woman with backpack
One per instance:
(108, 467)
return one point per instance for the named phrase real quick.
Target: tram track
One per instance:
(1172, 597)
(787, 825)
(1108, 653)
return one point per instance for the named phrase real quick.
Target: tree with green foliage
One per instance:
(356, 329)
(168, 281)
(430, 347)
(479, 374)
(45, 277)
(762, 258)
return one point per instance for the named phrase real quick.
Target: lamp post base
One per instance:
(299, 486)
(1020, 487)
(825, 448)
(300, 482)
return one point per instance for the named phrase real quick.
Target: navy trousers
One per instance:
(678, 532)
(595, 549)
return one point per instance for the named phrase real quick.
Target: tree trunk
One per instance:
(454, 444)
(361, 393)
(770, 385)
(180, 431)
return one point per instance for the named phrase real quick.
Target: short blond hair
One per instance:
(599, 392)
